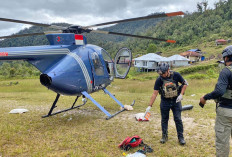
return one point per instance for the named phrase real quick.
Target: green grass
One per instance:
(85, 132)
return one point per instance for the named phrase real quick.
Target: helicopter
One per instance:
(70, 66)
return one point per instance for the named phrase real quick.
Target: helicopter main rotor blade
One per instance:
(32, 23)
(131, 35)
(20, 35)
(139, 18)
(30, 34)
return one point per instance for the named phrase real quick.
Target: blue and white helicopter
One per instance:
(70, 66)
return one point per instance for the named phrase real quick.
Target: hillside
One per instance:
(196, 30)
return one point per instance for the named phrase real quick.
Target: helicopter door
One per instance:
(122, 62)
(98, 69)
(108, 63)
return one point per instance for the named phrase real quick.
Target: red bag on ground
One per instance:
(131, 142)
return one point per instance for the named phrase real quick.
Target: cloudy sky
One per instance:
(85, 12)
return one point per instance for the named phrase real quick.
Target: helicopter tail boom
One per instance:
(30, 52)
(58, 46)
(40, 56)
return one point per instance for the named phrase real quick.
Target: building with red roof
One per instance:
(221, 42)
(193, 55)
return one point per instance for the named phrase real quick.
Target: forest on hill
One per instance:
(201, 27)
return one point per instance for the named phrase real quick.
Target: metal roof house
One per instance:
(178, 60)
(195, 50)
(193, 55)
(149, 62)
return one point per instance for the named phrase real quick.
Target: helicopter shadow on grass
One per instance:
(79, 116)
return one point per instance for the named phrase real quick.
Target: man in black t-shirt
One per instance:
(171, 96)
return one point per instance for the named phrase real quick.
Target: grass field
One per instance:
(84, 132)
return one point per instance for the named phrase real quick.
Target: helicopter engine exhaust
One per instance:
(45, 80)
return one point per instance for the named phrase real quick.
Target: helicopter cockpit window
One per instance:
(97, 64)
(108, 62)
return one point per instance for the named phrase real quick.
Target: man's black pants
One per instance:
(176, 108)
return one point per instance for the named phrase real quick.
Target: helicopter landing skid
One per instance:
(54, 106)
(102, 108)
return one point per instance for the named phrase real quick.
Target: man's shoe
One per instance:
(164, 139)
(182, 141)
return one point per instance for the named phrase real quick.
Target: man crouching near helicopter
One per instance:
(167, 85)
(223, 94)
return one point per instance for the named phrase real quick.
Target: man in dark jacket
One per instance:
(223, 96)
(171, 95)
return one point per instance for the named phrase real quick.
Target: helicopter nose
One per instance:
(45, 80)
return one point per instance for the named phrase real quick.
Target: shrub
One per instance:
(193, 69)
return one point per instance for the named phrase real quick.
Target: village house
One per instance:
(194, 55)
(220, 42)
(178, 60)
(149, 62)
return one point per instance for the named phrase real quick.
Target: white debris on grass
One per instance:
(64, 115)
(140, 117)
(128, 107)
(193, 94)
(19, 110)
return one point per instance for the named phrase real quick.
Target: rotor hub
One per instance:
(76, 30)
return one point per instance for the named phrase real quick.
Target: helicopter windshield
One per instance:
(97, 64)
(109, 63)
